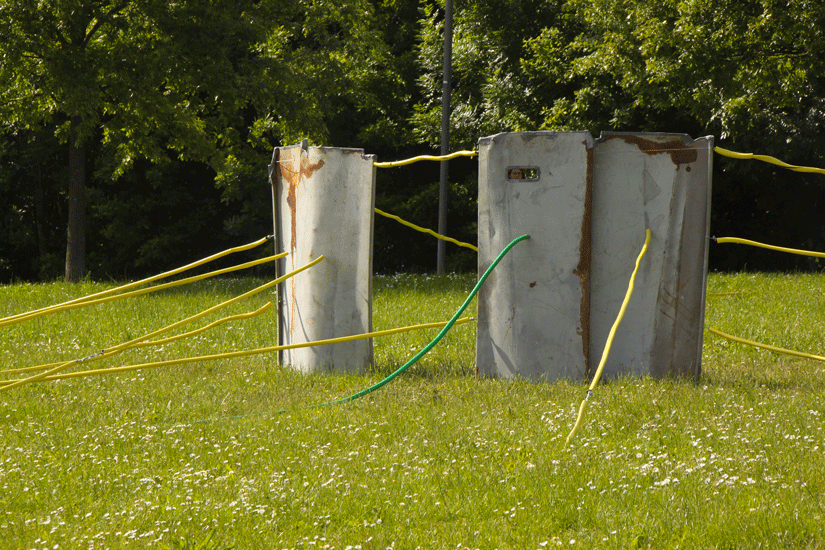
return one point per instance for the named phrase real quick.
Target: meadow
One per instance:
(198, 456)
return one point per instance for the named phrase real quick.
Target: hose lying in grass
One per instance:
(133, 343)
(454, 320)
(133, 293)
(96, 298)
(362, 393)
(244, 353)
(141, 344)
(775, 349)
(438, 337)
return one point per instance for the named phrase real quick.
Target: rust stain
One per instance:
(679, 152)
(293, 178)
(583, 268)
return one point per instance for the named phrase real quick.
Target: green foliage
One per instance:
(492, 92)
(740, 70)
(194, 77)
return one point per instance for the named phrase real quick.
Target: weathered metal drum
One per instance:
(661, 182)
(533, 310)
(547, 309)
(323, 202)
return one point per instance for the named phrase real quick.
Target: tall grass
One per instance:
(196, 456)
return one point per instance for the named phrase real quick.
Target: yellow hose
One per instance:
(424, 157)
(147, 280)
(106, 353)
(85, 302)
(245, 353)
(425, 230)
(63, 366)
(610, 337)
(765, 346)
(766, 158)
(723, 240)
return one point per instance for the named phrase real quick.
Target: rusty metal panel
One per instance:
(533, 310)
(323, 201)
(661, 182)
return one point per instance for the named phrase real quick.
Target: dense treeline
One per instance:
(145, 127)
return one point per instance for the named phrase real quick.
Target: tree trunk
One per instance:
(76, 231)
(39, 216)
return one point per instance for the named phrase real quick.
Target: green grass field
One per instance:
(196, 455)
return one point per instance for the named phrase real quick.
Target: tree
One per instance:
(749, 72)
(492, 91)
(735, 67)
(212, 81)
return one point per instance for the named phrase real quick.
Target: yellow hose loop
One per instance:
(610, 337)
(63, 366)
(425, 230)
(404, 162)
(765, 346)
(147, 280)
(89, 302)
(723, 240)
(108, 353)
(247, 353)
(766, 158)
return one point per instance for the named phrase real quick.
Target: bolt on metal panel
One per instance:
(533, 310)
(323, 202)
(661, 182)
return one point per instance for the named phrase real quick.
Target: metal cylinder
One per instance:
(323, 203)
(660, 182)
(533, 310)
(548, 308)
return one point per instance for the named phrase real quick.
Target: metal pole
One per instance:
(445, 130)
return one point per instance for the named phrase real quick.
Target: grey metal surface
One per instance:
(661, 182)
(323, 202)
(563, 289)
(533, 310)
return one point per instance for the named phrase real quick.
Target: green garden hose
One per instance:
(437, 338)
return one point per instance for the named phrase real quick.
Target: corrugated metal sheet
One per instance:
(533, 310)
(323, 201)
(661, 182)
